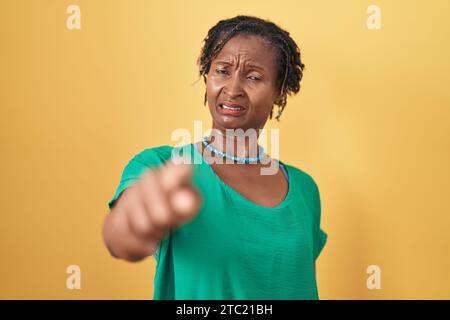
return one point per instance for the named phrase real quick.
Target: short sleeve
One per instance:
(147, 159)
(320, 243)
(319, 235)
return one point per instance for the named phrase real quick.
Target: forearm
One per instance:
(121, 242)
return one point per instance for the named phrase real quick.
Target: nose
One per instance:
(233, 87)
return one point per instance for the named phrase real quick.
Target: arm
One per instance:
(122, 242)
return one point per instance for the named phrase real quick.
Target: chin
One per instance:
(233, 124)
(230, 122)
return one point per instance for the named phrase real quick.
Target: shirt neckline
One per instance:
(285, 202)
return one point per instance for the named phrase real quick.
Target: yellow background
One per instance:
(371, 125)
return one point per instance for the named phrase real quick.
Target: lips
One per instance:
(231, 108)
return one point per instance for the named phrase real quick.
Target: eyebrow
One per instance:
(252, 65)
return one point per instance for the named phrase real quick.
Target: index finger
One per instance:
(173, 176)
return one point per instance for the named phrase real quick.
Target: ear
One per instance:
(278, 101)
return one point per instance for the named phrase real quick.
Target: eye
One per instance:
(254, 78)
(221, 71)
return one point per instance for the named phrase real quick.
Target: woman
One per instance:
(222, 229)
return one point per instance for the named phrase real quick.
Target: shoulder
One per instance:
(302, 177)
(153, 156)
(146, 159)
(306, 185)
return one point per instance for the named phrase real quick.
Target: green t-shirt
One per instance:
(234, 248)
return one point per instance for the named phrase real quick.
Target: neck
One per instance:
(235, 143)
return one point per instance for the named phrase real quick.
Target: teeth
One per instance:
(231, 108)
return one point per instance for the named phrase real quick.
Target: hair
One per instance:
(288, 59)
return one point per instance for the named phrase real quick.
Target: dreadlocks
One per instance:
(289, 65)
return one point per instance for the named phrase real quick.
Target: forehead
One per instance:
(248, 48)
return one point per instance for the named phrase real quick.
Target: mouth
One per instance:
(232, 109)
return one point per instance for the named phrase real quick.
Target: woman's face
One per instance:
(242, 75)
